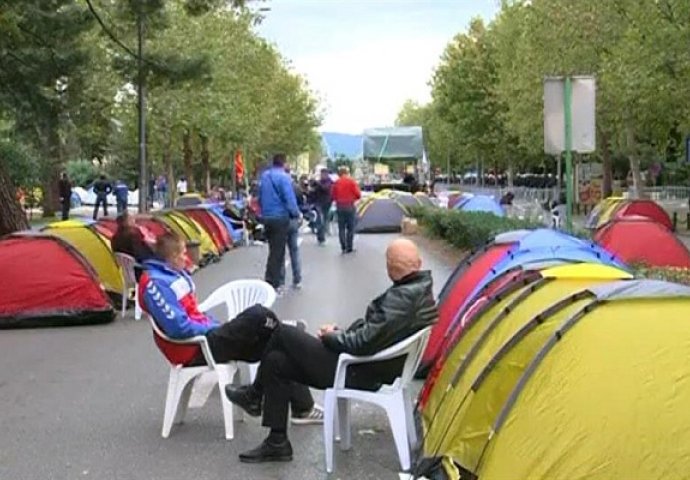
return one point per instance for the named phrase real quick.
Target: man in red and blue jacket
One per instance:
(167, 294)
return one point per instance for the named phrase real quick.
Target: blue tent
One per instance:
(235, 231)
(480, 203)
(341, 144)
(537, 247)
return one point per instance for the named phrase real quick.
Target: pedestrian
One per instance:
(182, 186)
(65, 189)
(278, 205)
(323, 200)
(102, 189)
(121, 192)
(345, 193)
(162, 190)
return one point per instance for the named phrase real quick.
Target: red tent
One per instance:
(213, 226)
(460, 284)
(46, 282)
(642, 240)
(644, 208)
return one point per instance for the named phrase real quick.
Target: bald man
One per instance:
(294, 356)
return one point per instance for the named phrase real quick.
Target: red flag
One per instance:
(239, 165)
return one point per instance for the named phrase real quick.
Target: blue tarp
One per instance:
(341, 144)
(235, 231)
(480, 203)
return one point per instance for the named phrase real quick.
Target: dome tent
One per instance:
(614, 208)
(46, 282)
(642, 240)
(86, 239)
(505, 252)
(480, 203)
(212, 224)
(550, 394)
(380, 215)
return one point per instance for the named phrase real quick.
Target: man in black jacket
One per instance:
(294, 356)
(65, 187)
(102, 189)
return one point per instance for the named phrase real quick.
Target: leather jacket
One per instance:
(405, 308)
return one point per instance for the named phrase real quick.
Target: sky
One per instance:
(364, 58)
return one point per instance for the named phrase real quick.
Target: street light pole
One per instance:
(141, 93)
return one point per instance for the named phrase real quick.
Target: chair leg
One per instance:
(183, 403)
(137, 307)
(226, 374)
(344, 420)
(171, 400)
(409, 419)
(396, 417)
(124, 301)
(329, 417)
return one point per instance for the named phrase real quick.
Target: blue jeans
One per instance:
(346, 227)
(293, 248)
(324, 212)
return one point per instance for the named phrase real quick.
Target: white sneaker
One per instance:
(312, 417)
(297, 286)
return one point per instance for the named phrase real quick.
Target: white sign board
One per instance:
(583, 115)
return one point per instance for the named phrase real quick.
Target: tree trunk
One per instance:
(51, 175)
(205, 164)
(187, 157)
(12, 217)
(168, 168)
(607, 165)
(638, 187)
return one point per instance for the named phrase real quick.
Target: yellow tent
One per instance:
(496, 352)
(603, 211)
(94, 247)
(188, 228)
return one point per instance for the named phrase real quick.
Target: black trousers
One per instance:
(100, 201)
(276, 231)
(347, 218)
(293, 356)
(245, 339)
(65, 209)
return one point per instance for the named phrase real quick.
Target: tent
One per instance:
(338, 145)
(565, 378)
(94, 247)
(233, 222)
(424, 199)
(480, 203)
(642, 240)
(46, 282)
(505, 252)
(380, 215)
(189, 229)
(616, 207)
(190, 199)
(213, 226)
(396, 143)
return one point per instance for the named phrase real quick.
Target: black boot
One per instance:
(268, 451)
(245, 397)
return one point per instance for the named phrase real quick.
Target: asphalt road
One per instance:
(87, 402)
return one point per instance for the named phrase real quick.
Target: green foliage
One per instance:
(81, 172)
(22, 164)
(466, 230)
(669, 274)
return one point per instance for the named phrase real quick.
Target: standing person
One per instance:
(162, 190)
(121, 192)
(345, 193)
(323, 200)
(182, 186)
(102, 189)
(65, 188)
(278, 205)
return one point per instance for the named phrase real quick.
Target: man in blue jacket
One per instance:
(278, 206)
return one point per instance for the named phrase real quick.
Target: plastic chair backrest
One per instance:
(239, 295)
(414, 346)
(127, 262)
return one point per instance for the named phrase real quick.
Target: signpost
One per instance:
(569, 124)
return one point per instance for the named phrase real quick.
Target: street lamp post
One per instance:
(141, 93)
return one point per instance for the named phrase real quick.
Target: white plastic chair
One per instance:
(126, 263)
(396, 399)
(237, 296)
(182, 379)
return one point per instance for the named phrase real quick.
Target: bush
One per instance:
(669, 274)
(466, 230)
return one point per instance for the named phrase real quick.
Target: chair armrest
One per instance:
(200, 340)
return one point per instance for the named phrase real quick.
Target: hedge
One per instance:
(466, 230)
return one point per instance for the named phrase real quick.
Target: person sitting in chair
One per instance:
(295, 356)
(167, 294)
